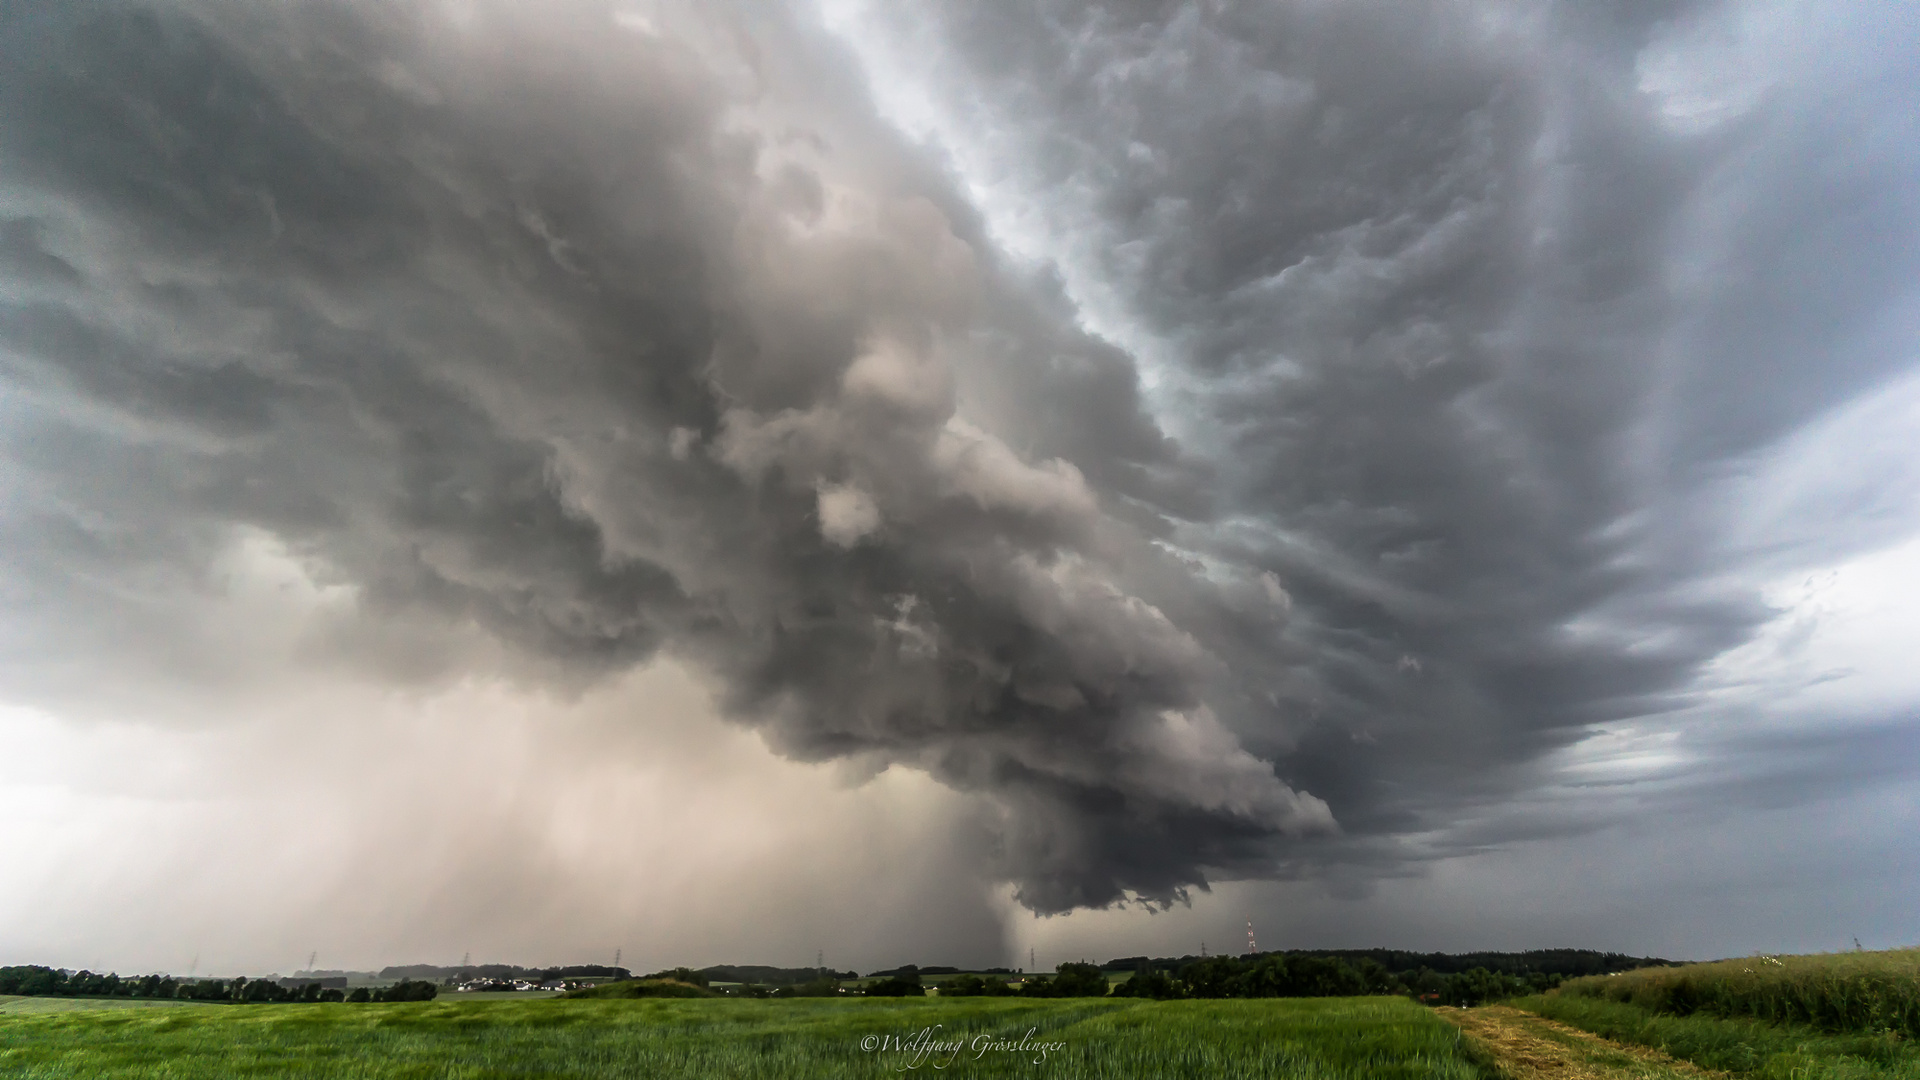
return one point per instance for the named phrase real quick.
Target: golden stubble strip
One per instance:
(1534, 1048)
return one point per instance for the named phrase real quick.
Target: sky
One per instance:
(976, 484)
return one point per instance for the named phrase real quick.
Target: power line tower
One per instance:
(1252, 946)
(616, 958)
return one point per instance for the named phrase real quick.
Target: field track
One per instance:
(1534, 1048)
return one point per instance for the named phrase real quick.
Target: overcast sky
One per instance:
(947, 482)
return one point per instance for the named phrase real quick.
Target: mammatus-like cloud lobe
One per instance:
(561, 337)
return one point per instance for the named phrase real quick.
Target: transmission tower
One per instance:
(1252, 947)
(616, 958)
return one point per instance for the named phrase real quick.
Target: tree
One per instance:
(967, 985)
(1079, 980)
(899, 985)
(680, 974)
(408, 990)
(1213, 977)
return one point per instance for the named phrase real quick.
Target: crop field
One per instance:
(1838, 993)
(1746, 1048)
(1307, 1039)
(1837, 1016)
(14, 1005)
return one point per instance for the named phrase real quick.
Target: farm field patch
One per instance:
(1830, 1016)
(1310, 1039)
(16, 1005)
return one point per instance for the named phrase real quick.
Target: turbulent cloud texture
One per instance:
(1223, 441)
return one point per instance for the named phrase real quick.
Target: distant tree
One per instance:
(205, 990)
(1479, 986)
(1038, 986)
(680, 974)
(1079, 980)
(1151, 983)
(408, 990)
(904, 984)
(1325, 976)
(32, 980)
(1268, 976)
(821, 987)
(1210, 978)
(1426, 984)
(967, 985)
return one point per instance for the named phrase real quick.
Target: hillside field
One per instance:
(1081, 1039)
(1831, 1016)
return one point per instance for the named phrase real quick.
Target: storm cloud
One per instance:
(1216, 441)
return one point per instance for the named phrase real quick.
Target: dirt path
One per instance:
(1534, 1048)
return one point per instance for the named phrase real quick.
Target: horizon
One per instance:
(839, 478)
(413, 969)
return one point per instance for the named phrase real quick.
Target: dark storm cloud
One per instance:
(600, 336)
(1473, 317)
(612, 331)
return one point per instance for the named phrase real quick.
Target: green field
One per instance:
(1308, 1039)
(1743, 1047)
(1838, 993)
(1833, 1016)
(15, 1005)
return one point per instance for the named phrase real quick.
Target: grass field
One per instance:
(1834, 1016)
(1530, 1047)
(1308, 1039)
(1838, 993)
(15, 1005)
(1744, 1047)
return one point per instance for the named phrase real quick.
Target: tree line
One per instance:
(1264, 975)
(1278, 975)
(1436, 978)
(1267, 975)
(501, 972)
(33, 980)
